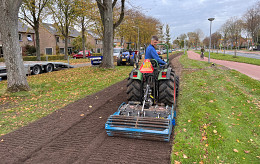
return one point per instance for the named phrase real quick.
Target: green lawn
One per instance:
(218, 116)
(52, 91)
(227, 57)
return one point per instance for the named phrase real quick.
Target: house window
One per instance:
(29, 37)
(1, 52)
(70, 50)
(63, 40)
(20, 38)
(69, 40)
(48, 51)
(57, 39)
(62, 50)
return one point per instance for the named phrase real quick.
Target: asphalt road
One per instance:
(248, 55)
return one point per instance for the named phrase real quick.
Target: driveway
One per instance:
(250, 70)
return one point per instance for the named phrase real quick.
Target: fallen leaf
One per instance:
(237, 140)
(246, 151)
(176, 162)
(100, 117)
(184, 129)
(82, 115)
(211, 101)
(214, 131)
(204, 138)
(251, 140)
(2, 140)
(207, 145)
(235, 150)
(201, 162)
(176, 153)
(189, 120)
(248, 101)
(90, 106)
(185, 156)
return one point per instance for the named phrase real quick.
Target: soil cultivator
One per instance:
(150, 112)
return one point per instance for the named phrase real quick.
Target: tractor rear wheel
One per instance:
(134, 90)
(168, 90)
(119, 62)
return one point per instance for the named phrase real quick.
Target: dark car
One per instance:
(80, 54)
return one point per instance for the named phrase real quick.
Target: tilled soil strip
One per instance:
(76, 134)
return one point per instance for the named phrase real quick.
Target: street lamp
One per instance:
(138, 38)
(210, 19)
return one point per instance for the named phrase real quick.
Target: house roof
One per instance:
(50, 27)
(24, 28)
(96, 36)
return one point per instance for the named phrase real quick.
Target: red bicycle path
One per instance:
(250, 70)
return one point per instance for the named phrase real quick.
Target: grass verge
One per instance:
(218, 116)
(227, 57)
(73, 61)
(52, 91)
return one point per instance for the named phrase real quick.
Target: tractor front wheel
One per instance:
(134, 90)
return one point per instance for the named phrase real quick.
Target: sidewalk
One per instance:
(250, 70)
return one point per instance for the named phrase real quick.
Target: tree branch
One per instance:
(122, 14)
(114, 3)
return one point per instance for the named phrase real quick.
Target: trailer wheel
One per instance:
(49, 68)
(36, 70)
(134, 90)
(168, 90)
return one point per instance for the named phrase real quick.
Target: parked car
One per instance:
(158, 52)
(117, 51)
(80, 54)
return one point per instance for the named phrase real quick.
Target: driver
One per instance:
(151, 52)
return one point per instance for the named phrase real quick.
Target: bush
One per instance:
(30, 50)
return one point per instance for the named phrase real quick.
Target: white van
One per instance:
(117, 51)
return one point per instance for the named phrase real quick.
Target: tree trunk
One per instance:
(38, 53)
(108, 61)
(16, 80)
(83, 38)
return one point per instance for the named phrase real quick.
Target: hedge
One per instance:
(50, 57)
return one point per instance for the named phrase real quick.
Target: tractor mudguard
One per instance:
(168, 74)
(136, 74)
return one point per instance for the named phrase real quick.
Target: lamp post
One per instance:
(138, 39)
(210, 19)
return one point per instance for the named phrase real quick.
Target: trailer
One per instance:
(36, 67)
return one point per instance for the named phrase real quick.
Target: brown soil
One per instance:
(76, 134)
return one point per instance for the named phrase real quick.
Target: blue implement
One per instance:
(154, 124)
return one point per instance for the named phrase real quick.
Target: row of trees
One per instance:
(230, 33)
(101, 16)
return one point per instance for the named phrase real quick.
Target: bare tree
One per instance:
(252, 21)
(106, 14)
(206, 41)
(83, 15)
(167, 34)
(31, 11)
(16, 80)
(224, 32)
(63, 12)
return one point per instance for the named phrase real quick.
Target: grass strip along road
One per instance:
(227, 57)
(218, 116)
(52, 91)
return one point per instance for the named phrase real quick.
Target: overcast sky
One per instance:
(188, 15)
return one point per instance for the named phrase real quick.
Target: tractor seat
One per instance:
(154, 63)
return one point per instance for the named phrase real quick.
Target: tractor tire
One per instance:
(132, 62)
(36, 70)
(49, 68)
(119, 62)
(134, 90)
(168, 90)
